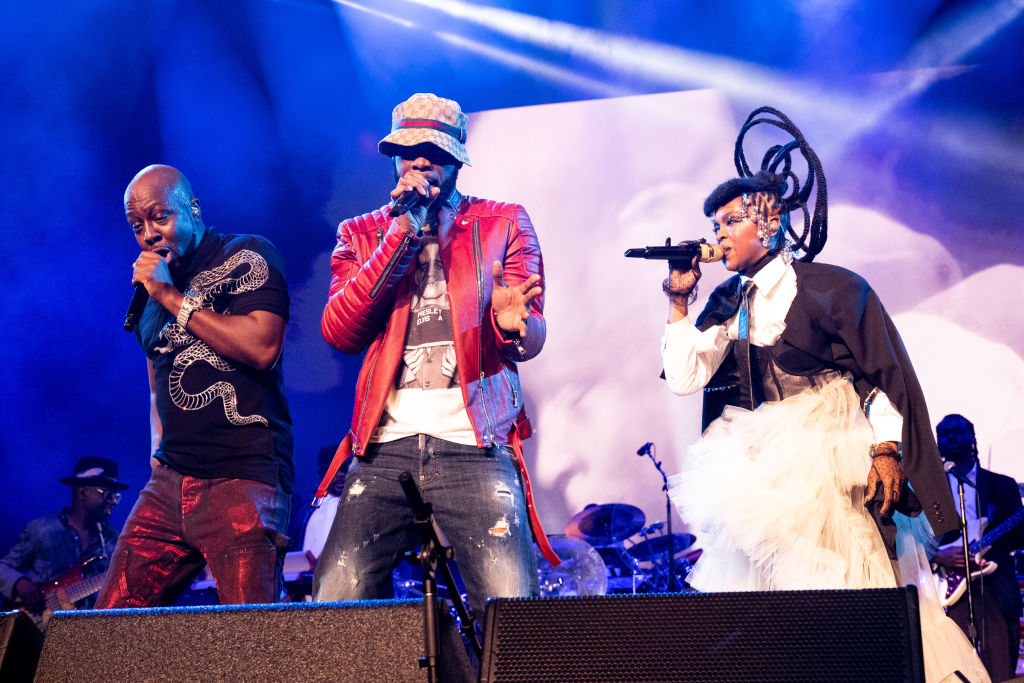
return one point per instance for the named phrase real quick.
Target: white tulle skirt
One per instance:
(776, 497)
(946, 648)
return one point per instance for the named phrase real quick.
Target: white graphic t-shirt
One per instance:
(426, 397)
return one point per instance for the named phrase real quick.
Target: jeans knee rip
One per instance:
(501, 527)
(502, 490)
(356, 489)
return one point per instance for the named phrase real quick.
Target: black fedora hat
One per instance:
(95, 471)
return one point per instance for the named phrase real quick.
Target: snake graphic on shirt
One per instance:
(209, 284)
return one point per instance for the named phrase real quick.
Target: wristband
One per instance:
(885, 448)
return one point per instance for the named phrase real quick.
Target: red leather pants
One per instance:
(180, 523)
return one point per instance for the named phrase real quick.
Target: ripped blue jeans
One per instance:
(478, 503)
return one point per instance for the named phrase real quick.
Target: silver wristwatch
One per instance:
(189, 305)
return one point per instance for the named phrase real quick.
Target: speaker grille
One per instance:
(20, 643)
(773, 636)
(374, 640)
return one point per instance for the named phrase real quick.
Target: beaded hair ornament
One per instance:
(776, 185)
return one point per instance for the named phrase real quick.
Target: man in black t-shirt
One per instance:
(212, 330)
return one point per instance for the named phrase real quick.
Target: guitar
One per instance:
(953, 580)
(63, 592)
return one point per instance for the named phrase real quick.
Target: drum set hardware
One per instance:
(582, 571)
(653, 548)
(602, 525)
(605, 533)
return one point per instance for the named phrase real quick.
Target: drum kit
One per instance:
(606, 548)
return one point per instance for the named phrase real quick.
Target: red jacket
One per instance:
(369, 303)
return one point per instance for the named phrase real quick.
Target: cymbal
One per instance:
(581, 572)
(605, 524)
(657, 546)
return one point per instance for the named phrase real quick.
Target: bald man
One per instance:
(212, 331)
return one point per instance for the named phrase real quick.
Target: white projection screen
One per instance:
(598, 177)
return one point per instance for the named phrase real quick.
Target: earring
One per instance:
(763, 234)
(787, 253)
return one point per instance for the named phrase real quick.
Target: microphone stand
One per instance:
(434, 554)
(673, 587)
(972, 629)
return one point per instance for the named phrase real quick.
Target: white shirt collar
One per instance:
(769, 277)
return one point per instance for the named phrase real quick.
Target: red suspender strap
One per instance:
(516, 442)
(344, 449)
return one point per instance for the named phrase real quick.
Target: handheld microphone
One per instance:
(139, 298)
(406, 201)
(684, 251)
(645, 449)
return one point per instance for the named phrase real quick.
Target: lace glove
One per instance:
(886, 471)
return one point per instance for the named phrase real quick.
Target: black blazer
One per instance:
(838, 322)
(999, 499)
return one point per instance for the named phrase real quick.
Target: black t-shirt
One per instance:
(221, 418)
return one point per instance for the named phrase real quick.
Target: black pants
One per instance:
(999, 634)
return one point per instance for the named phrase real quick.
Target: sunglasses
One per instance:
(112, 496)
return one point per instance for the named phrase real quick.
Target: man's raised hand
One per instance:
(511, 303)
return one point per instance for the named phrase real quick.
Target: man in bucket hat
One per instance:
(49, 546)
(444, 299)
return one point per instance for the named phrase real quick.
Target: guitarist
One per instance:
(997, 599)
(51, 545)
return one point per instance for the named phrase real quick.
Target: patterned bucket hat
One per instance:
(425, 117)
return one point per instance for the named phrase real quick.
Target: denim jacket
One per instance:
(48, 547)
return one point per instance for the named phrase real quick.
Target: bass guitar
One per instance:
(63, 592)
(953, 580)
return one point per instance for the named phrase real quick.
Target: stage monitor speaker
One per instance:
(20, 643)
(373, 640)
(840, 635)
